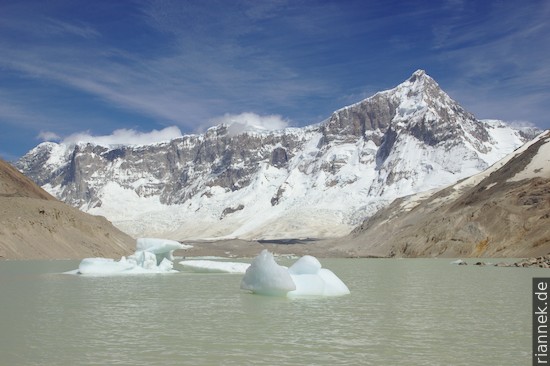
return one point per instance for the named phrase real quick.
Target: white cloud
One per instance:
(522, 125)
(201, 70)
(78, 29)
(48, 136)
(249, 121)
(125, 137)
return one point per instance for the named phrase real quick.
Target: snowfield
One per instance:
(250, 183)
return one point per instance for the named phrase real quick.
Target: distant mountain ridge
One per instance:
(317, 181)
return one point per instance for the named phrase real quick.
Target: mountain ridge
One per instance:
(316, 181)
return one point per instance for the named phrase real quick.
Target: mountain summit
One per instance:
(317, 181)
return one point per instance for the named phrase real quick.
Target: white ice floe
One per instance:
(152, 256)
(200, 265)
(305, 277)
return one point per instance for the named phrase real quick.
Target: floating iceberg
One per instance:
(152, 256)
(266, 277)
(305, 277)
(163, 247)
(203, 265)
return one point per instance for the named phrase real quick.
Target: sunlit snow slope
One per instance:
(500, 212)
(317, 181)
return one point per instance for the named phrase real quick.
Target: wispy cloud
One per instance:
(138, 87)
(15, 113)
(501, 60)
(238, 123)
(48, 136)
(56, 26)
(121, 137)
(206, 69)
(150, 64)
(507, 35)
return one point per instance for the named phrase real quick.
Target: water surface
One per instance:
(400, 311)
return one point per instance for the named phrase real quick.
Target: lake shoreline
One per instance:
(321, 248)
(238, 248)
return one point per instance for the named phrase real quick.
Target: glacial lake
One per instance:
(400, 311)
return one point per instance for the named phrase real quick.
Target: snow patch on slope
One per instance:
(539, 166)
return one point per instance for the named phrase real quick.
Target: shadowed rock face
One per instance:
(350, 123)
(279, 158)
(395, 143)
(215, 157)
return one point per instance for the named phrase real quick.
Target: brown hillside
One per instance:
(34, 225)
(489, 215)
(15, 184)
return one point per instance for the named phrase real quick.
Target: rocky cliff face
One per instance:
(35, 225)
(317, 181)
(501, 212)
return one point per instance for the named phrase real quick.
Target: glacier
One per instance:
(305, 277)
(152, 255)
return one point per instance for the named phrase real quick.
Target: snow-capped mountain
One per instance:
(316, 181)
(500, 212)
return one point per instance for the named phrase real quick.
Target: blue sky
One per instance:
(100, 69)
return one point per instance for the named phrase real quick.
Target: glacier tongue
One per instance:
(316, 181)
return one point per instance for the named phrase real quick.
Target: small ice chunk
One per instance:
(459, 262)
(151, 256)
(266, 277)
(199, 265)
(155, 245)
(305, 265)
(162, 248)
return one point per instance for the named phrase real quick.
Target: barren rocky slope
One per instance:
(34, 225)
(502, 212)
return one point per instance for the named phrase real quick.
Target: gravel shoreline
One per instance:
(535, 262)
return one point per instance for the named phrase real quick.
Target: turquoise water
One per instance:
(400, 311)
